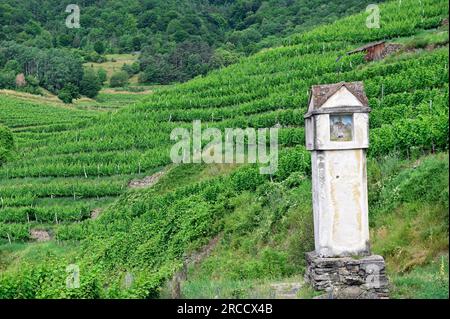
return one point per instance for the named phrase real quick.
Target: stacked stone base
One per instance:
(347, 277)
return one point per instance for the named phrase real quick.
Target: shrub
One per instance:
(247, 178)
(7, 80)
(13, 66)
(99, 47)
(68, 93)
(131, 69)
(297, 159)
(102, 75)
(119, 79)
(90, 84)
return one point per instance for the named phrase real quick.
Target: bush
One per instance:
(99, 47)
(102, 75)
(247, 178)
(13, 66)
(68, 93)
(297, 159)
(131, 69)
(7, 80)
(90, 84)
(119, 79)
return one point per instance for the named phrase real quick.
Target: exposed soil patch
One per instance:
(40, 235)
(96, 212)
(196, 257)
(192, 260)
(391, 48)
(146, 181)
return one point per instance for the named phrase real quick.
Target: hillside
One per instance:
(70, 162)
(176, 39)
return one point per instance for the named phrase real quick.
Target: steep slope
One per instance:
(147, 232)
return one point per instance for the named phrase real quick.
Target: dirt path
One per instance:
(192, 260)
(147, 181)
(40, 235)
(96, 212)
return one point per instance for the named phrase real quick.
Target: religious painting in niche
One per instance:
(341, 128)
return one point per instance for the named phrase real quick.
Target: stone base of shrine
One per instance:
(348, 277)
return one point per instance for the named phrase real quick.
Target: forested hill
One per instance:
(178, 39)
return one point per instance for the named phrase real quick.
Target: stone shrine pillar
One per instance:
(337, 134)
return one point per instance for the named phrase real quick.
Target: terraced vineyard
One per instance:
(70, 162)
(52, 183)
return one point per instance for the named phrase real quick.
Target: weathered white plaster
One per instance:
(343, 97)
(341, 225)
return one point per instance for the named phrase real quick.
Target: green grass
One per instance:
(231, 289)
(13, 256)
(424, 282)
(437, 37)
(114, 64)
(237, 289)
(410, 216)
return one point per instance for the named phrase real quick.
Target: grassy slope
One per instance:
(266, 224)
(114, 64)
(107, 99)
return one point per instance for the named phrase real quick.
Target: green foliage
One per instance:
(54, 68)
(131, 69)
(6, 144)
(426, 282)
(7, 80)
(99, 47)
(295, 160)
(247, 178)
(90, 84)
(102, 75)
(118, 79)
(13, 66)
(68, 93)
(410, 211)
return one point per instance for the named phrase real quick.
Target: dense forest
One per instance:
(175, 40)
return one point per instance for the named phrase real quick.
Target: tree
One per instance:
(119, 79)
(99, 47)
(90, 84)
(223, 58)
(131, 69)
(60, 67)
(157, 70)
(68, 93)
(13, 66)
(7, 80)
(102, 75)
